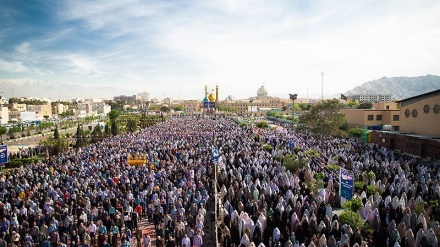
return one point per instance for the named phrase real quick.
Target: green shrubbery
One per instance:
(332, 167)
(351, 218)
(371, 190)
(350, 215)
(267, 147)
(311, 153)
(358, 186)
(319, 176)
(262, 124)
(357, 132)
(14, 163)
(292, 163)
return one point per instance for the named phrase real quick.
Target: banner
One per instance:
(214, 154)
(3, 154)
(292, 143)
(210, 105)
(137, 159)
(346, 181)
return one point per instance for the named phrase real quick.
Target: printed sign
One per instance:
(346, 181)
(3, 154)
(214, 154)
(209, 105)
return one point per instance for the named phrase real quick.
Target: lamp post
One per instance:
(293, 98)
(252, 111)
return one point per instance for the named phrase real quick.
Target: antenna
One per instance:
(322, 84)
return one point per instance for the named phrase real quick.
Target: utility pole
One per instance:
(293, 97)
(322, 85)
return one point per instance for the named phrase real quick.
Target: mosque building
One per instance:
(257, 105)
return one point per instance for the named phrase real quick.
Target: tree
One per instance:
(143, 121)
(152, 107)
(97, 133)
(164, 109)
(365, 105)
(357, 132)
(79, 137)
(107, 130)
(131, 125)
(116, 105)
(296, 107)
(3, 131)
(57, 141)
(354, 104)
(304, 106)
(271, 113)
(114, 128)
(178, 108)
(113, 114)
(324, 119)
(67, 113)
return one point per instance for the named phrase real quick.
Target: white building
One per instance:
(144, 96)
(28, 116)
(101, 108)
(372, 97)
(4, 115)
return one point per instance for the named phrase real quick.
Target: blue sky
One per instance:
(176, 47)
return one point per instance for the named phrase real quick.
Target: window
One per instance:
(388, 107)
(396, 117)
(396, 128)
(414, 113)
(379, 117)
(370, 117)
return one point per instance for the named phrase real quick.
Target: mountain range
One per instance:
(398, 87)
(54, 90)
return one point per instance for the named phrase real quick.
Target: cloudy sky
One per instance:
(176, 47)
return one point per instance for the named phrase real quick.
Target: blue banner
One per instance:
(210, 105)
(214, 154)
(3, 154)
(346, 181)
(291, 143)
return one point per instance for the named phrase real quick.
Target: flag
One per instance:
(343, 97)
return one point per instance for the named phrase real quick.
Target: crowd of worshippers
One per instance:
(263, 205)
(92, 197)
(27, 152)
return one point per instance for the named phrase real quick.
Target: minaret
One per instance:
(206, 91)
(216, 93)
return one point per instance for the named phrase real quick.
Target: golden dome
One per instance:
(211, 97)
(262, 92)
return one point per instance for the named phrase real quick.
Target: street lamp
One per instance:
(293, 98)
(252, 111)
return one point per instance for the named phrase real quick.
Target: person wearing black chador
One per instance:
(257, 237)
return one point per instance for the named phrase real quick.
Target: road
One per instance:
(30, 141)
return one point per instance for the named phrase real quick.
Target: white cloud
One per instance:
(12, 66)
(237, 44)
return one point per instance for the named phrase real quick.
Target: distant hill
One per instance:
(399, 87)
(54, 90)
